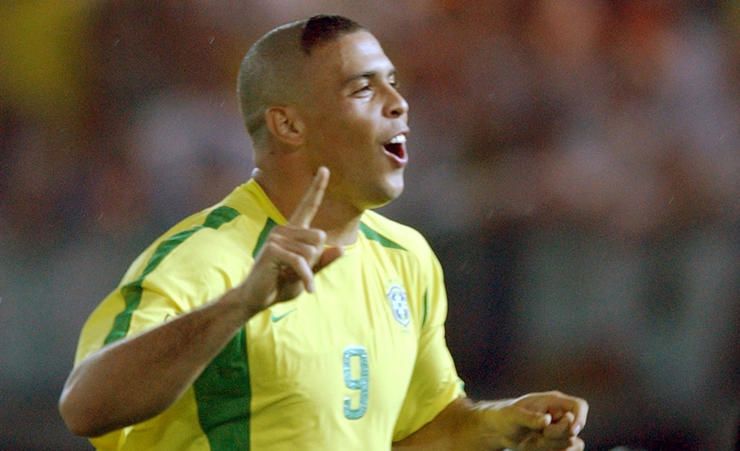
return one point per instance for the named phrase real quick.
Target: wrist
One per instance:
(490, 424)
(239, 302)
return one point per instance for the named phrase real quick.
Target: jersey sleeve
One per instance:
(434, 382)
(125, 312)
(173, 279)
(138, 304)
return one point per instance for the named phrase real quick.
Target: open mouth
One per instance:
(397, 147)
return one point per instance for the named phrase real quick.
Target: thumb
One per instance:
(329, 255)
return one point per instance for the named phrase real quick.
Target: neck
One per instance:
(339, 219)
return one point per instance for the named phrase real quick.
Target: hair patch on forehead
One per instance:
(323, 28)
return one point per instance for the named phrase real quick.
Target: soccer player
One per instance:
(290, 316)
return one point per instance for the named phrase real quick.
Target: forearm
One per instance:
(135, 379)
(549, 420)
(457, 428)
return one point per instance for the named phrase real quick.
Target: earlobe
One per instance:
(285, 125)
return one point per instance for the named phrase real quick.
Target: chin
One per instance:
(386, 194)
(396, 191)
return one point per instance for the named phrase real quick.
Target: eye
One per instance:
(362, 90)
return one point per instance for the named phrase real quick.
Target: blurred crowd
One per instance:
(575, 164)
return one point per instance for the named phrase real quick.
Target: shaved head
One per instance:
(272, 72)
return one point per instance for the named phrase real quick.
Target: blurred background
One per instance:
(575, 164)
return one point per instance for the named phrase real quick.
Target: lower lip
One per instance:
(398, 161)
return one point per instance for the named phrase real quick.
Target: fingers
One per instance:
(299, 250)
(535, 441)
(561, 428)
(537, 421)
(555, 436)
(581, 413)
(530, 419)
(299, 253)
(290, 265)
(555, 402)
(292, 253)
(577, 444)
(571, 444)
(308, 243)
(311, 201)
(300, 240)
(576, 409)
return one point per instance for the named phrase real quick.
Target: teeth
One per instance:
(398, 139)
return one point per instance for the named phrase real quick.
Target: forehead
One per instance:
(349, 55)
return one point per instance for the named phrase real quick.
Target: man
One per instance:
(289, 316)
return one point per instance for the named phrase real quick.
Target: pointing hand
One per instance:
(291, 254)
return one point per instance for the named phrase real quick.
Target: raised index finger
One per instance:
(309, 205)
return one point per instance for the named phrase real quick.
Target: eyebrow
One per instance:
(367, 75)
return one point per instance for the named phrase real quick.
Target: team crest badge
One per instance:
(399, 305)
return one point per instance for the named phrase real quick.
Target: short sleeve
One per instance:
(129, 310)
(171, 281)
(434, 382)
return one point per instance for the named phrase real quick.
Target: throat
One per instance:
(342, 234)
(340, 221)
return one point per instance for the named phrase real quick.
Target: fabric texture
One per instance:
(355, 365)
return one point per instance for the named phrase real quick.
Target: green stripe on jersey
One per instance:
(223, 391)
(375, 236)
(426, 309)
(132, 291)
(269, 224)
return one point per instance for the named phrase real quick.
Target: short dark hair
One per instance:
(271, 71)
(325, 28)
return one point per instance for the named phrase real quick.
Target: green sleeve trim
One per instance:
(269, 224)
(132, 291)
(426, 309)
(375, 236)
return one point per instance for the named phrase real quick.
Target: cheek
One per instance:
(334, 130)
(351, 139)
(356, 119)
(344, 135)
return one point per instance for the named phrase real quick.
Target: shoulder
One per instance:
(201, 256)
(376, 226)
(233, 226)
(200, 234)
(215, 236)
(206, 236)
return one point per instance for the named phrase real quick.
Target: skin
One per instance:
(351, 108)
(536, 421)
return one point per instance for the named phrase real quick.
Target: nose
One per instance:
(396, 105)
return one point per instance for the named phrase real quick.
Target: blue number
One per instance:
(356, 383)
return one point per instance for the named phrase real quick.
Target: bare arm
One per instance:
(99, 395)
(537, 421)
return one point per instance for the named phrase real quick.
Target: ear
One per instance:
(285, 124)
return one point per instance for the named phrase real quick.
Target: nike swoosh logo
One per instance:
(276, 318)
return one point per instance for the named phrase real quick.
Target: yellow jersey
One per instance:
(356, 365)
